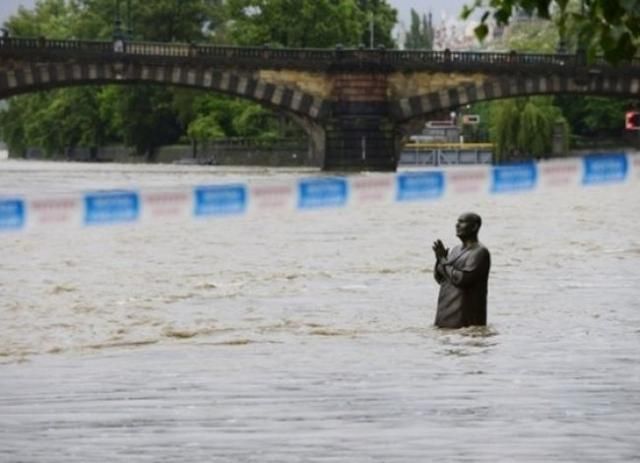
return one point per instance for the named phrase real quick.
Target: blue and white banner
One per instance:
(127, 207)
(317, 193)
(220, 200)
(605, 168)
(111, 207)
(418, 186)
(12, 214)
(514, 178)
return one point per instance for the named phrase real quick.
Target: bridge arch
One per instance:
(307, 110)
(415, 107)
(29, 78)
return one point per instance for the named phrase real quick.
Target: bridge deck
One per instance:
(300, 58)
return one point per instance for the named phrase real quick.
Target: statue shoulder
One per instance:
(482, 249)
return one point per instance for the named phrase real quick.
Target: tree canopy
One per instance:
(421, 33)
(610, 27)
(523, 127)
(320, 24)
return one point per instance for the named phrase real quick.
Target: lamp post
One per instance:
(119, 31)
(371, 29)
(117, 22)
(129, 22)
(581, 51)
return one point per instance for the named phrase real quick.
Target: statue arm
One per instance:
(438, 272)
(474, 268)
(441, 254)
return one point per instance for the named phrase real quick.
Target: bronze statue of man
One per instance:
(463, 276)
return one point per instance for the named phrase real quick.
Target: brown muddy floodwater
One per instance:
(308, 337)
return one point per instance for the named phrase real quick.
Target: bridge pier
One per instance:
(360, 142)
(359, 133)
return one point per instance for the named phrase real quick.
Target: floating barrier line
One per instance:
(111, 207)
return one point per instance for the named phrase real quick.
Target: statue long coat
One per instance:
(463, 278)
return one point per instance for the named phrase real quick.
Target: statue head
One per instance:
(468, 226)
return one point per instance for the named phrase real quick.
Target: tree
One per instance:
(12, 127)
(318, 23)
(143, 115)
(59, 119)
(611, 27)
(421, 33)
(384, 19)
(54, 121)
(256, 122)
(205, 127)
(295, 23)
(595, 117)
(173, 21)
(532, 37)
(51, 18)
(523, 127)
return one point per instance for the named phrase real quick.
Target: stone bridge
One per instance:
(357, 105)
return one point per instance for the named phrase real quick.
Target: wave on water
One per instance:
(154, 331)
(466, 341)
(334, 332)
(188, 332)
(60, 289)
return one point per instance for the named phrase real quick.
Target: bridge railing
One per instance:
(304, 57)
(54, 44)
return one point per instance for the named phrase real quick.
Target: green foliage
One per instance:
(595, 116)
(143, 115)
(301, 23)
(523, 127)
(54, 121)
(421, 33)
(254, 121)
(610, 27)
(205, 127)
(159, 20)
(384, 20)
(533, 37)
(51, 18)
(12, 123)
(216, 117)
(295, 23)
(171, 20)
(213, 117)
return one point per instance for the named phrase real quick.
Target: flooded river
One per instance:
(308, 337)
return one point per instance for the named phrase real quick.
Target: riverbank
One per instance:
(284, 153)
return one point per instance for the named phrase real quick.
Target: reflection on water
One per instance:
(310, 337)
